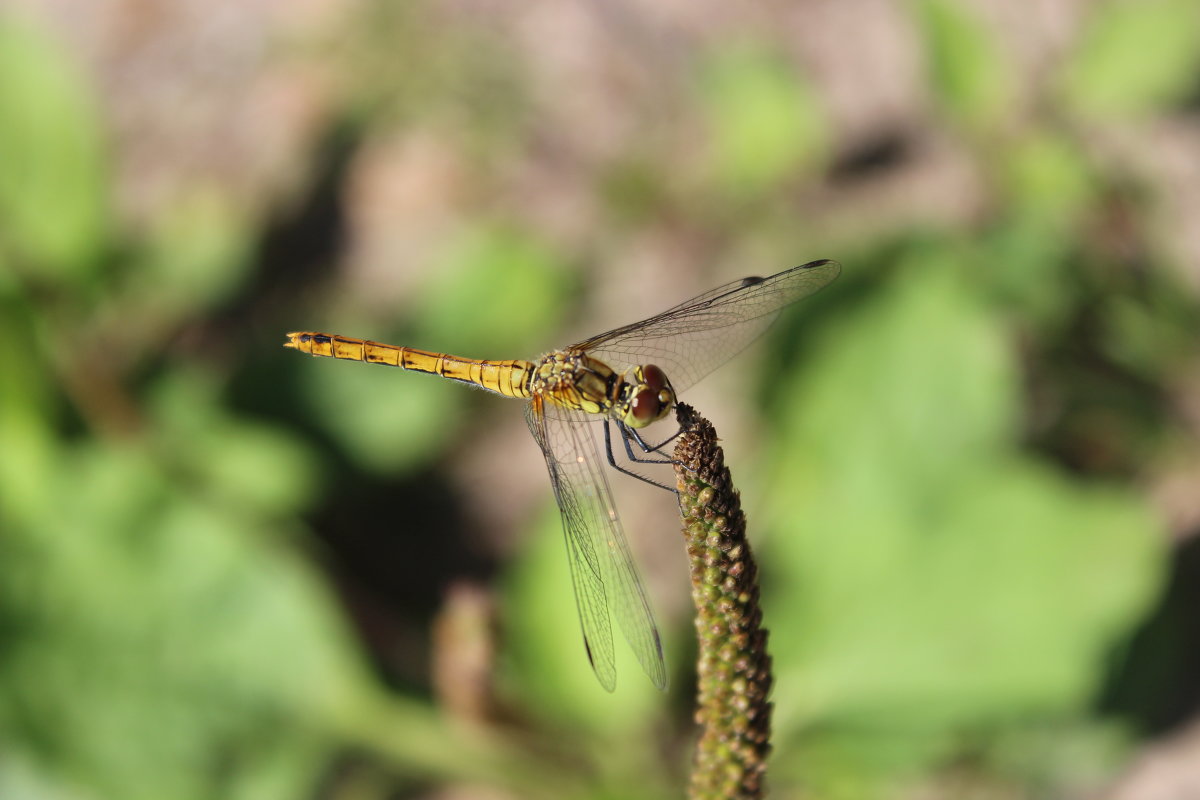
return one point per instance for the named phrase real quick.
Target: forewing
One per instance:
(602, 568)
(693, 338)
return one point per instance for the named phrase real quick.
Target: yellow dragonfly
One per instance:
(626, 378)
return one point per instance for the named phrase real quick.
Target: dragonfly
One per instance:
(624, 379)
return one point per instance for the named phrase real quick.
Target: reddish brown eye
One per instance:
(653, 377)
(645, 406)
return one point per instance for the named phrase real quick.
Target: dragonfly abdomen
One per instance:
(509, 378)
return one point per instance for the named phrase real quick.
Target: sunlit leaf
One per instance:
(157, 635)
(764, 121)
(1047, 176)
(965, 65)
(923, 574)
(1134, 58)
(258, 467)
(196, 256)
(28, 405)
(52, 187)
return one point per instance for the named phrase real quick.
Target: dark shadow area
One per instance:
(1153, 680)
(392, 548)
(297, 251)
(882, 152)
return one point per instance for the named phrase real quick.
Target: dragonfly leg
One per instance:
(628, 433)
(612, 461)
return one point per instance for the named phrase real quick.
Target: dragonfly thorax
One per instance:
(573, 380)
(645, 396)
(638, 397)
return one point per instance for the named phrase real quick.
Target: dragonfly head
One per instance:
(647, 396)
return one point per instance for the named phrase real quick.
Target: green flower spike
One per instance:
(734, 670)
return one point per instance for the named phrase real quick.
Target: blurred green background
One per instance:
(972, 465)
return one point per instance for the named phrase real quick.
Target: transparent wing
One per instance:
(602, 569)
(695, 337)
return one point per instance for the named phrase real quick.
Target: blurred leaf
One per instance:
(1047, 175)
(21, 778)
(29, 457)
(1151, 334)
(260, 469)
(1134, 58)
(1049, 191)
(928, 574)
(928, 311)
(162, 650)
(1060, 754)
(498, 289)
(52, 193)
(634, 188)
(765, 122)
(1025, 265)
(196, 256)
(969, 75)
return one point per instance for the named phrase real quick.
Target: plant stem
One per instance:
(734, 669)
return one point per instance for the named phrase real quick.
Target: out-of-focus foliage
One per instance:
(1135, 58)
(965, 69)
(223, 568)
(52, 191)
(978, 586)
(764, 123)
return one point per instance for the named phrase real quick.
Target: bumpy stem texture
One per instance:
(734, 670)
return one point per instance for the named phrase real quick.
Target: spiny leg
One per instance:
(612, 461)
(628, 433)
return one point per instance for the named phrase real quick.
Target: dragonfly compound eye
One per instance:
(653, 378)
(645, 408)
